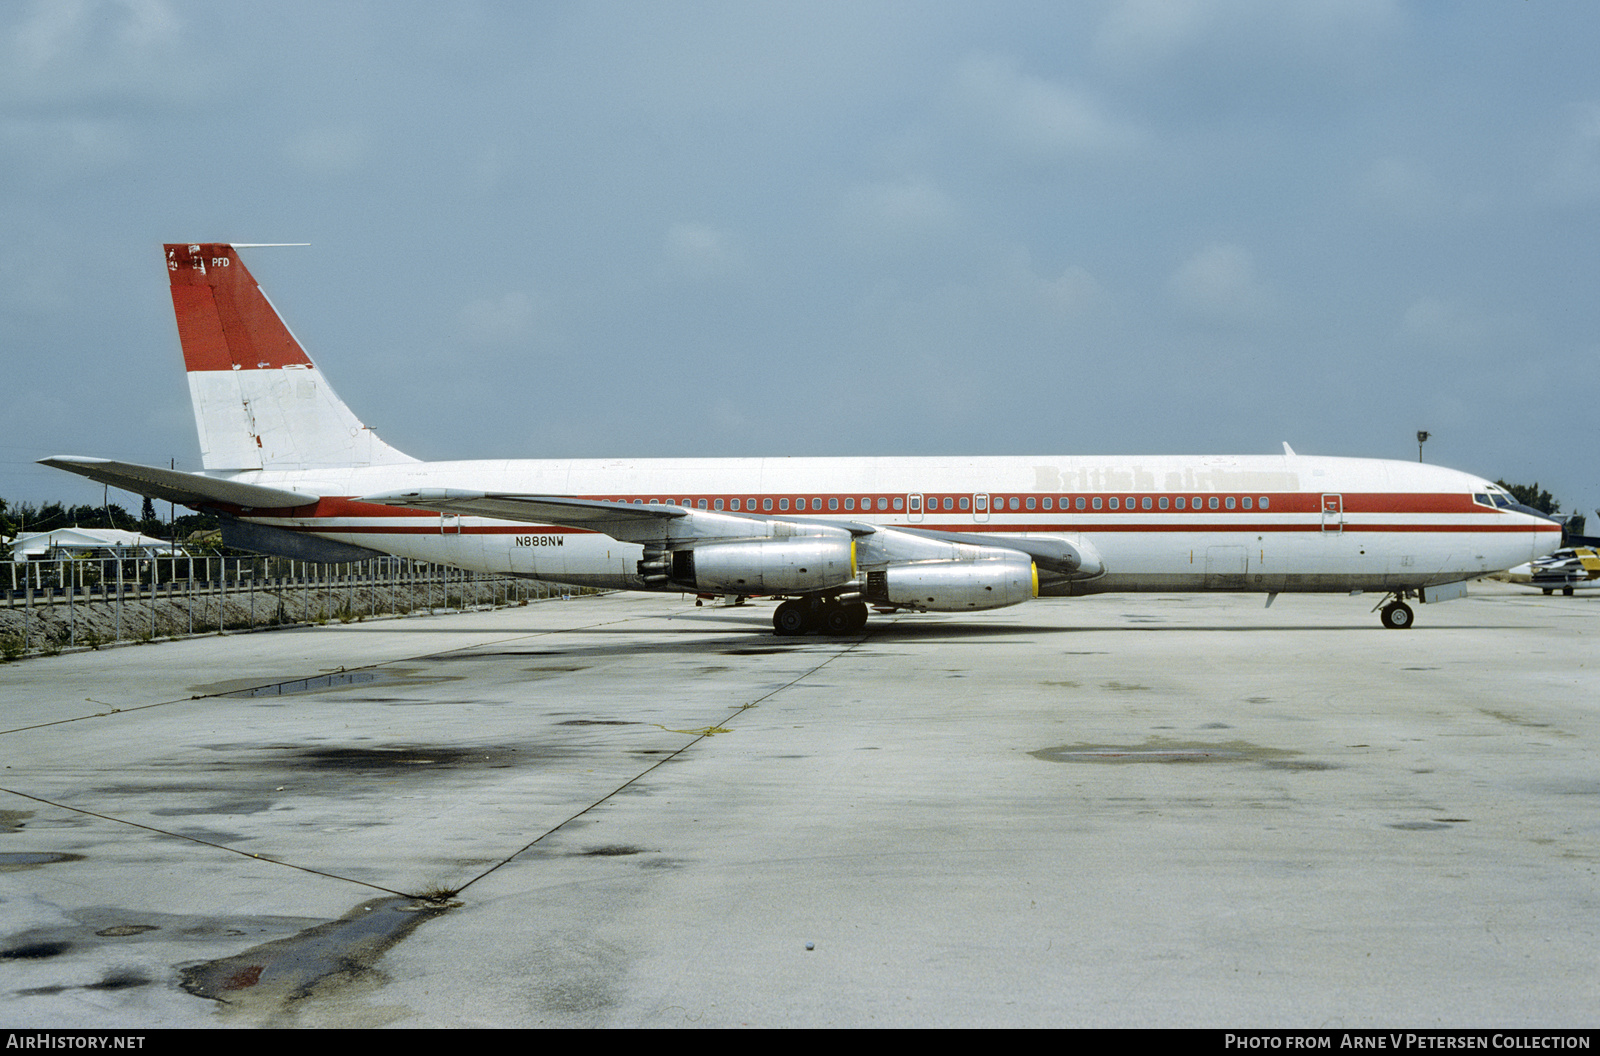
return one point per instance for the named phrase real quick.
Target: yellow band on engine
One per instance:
(1033, 566)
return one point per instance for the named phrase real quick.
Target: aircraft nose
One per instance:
(1544, 541)
(1531, 512)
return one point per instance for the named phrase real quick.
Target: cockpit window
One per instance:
(1497, 497)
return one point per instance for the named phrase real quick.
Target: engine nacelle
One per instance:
(767, 566)
(957, 586)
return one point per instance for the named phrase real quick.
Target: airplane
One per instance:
(289, 469)
(1564, 570)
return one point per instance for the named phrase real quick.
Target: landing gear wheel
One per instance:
(1566, 592)
(791, 618)
(1397, 616)
(858, 616)
(835, 619)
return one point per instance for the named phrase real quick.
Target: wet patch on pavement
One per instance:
(227, 808)
(407, 757)
(543, 671)
(332, 680)
(325, 681)
(322, 959)
(1161, 750)
(34, 951)
(1421, 826)
(136, 935)
(12, 861)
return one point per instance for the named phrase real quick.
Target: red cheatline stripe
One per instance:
(1353, 504)
(980, 529)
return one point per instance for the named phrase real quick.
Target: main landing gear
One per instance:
(827, 615)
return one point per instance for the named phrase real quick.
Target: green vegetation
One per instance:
(25, 517)
(1530, 495)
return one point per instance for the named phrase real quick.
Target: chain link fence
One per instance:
(68, 603)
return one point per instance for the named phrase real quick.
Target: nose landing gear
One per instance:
(1397, 615)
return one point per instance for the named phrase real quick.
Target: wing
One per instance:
(620, 520)
(1078, 560)
(682, 526)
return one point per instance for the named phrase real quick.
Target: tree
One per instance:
(149, 524)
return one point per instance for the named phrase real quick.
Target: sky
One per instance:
(549, 230)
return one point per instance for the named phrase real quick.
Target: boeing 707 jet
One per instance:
(290, 470)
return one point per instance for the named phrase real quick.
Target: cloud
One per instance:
(700, 252)
(1408, 189)
(1574, 177)
(498, 321)
(330, 151)
(76, 76)
(1445, 324)
(1039, 118)
(1219, 284)
(54, 149)
(894, 208)
(1074, 292)
(1145, 33)
(104, 51)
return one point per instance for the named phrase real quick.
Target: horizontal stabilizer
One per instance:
(169, 485)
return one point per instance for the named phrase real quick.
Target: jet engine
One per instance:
(989, 582)
(794, 565)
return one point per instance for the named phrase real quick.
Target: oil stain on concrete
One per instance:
(268, 980)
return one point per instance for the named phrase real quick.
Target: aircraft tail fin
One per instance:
(259, 401)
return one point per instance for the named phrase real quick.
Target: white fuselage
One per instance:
(1181, 523)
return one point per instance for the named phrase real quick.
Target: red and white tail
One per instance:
(259, 401)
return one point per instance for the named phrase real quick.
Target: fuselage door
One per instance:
(1332, 513)
(914, 508)
(449, 524)
(980, 507)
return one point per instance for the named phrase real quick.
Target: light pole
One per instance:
(1422, 438)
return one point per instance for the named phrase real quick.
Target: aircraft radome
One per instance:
(290, 470)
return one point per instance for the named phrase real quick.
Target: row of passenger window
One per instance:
(935, 503)
(1163, 502)
(782, 504)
